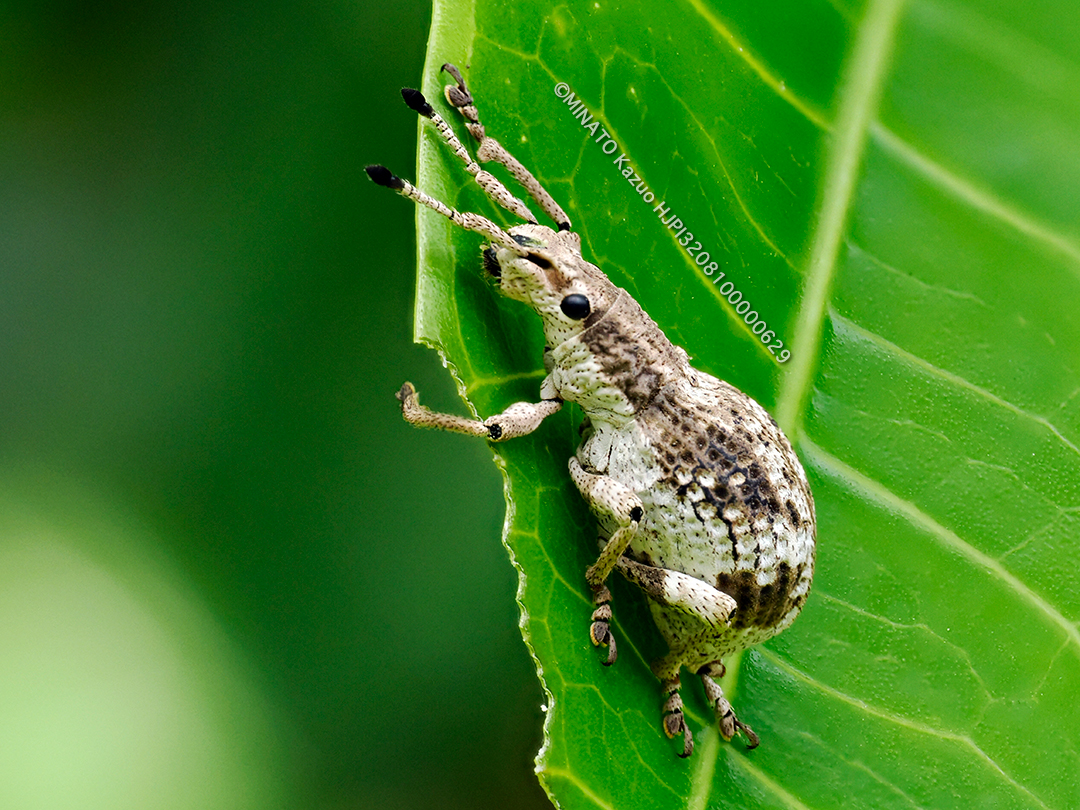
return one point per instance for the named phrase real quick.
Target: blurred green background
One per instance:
(230, 576)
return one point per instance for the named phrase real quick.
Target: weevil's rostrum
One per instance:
(700, 499)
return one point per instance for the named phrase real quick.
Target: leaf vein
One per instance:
(899, 720)
(701, 780)
(573, 779)
(859, 91)
(730, 180)
(875, 491)
(948, 376)
(756, 65)
(501, 380)
(728, 310)
(959, 651)
(979, 198)
(765, 781)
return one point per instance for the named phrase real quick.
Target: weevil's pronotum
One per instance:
(700, 500)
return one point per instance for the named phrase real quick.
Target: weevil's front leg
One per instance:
(725, 715)
(517, 420)
(607, 496)
(489, 149)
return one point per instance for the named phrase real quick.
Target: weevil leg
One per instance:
(490, 149)
(680, 591)
(468, 221)
(725, 715)
(517, 420)
(486, 180)
(607, 496)
(673, 720)
(600, 630)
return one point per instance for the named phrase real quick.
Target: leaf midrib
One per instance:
(860, 91)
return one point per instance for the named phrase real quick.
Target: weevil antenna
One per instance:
(490, 149)
(491, 185)
(470, 222)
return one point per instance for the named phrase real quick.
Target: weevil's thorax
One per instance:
(617, 366)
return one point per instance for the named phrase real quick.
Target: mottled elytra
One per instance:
(699, 499)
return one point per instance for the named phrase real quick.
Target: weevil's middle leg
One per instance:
(608, 496)
(600, 631)
(490, 149)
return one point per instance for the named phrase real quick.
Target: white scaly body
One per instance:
(701, 501)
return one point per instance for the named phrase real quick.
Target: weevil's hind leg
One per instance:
(681, 592)
(725, 715)
(468, 221)
(490, 149)
(673, 721)
(486, 180)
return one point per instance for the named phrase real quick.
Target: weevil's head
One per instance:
(549, 275)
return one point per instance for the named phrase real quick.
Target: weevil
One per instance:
(700, 500)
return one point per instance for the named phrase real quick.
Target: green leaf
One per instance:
(893, 188)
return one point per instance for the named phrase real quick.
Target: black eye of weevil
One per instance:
(539, 261)
(491, 264)
(575, 306)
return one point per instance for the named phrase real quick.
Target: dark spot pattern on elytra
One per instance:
(793, 513)
(762, 605)
(718, 473)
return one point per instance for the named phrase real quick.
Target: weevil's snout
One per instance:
(521, 277)
(491, 263)
(520, 270)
